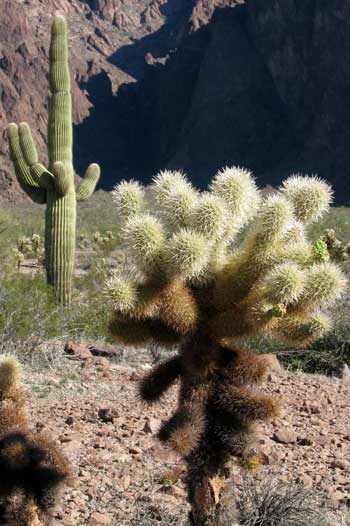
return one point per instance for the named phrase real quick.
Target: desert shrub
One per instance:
(272, 503)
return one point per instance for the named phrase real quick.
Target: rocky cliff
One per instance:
(192, 84)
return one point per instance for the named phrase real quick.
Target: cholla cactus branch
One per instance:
(199, 291)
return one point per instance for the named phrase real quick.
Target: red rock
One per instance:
(285, 436)
(101, 519)
(79, 351)
(152, 425)
(337, 463)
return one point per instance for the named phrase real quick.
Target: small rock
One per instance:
(78, 351)
(345, 374)
(306, 481)
(175, 491)
(106, 414)
(101, 519)
(103, 365)
(69, 420)
(135, 450)
(304, 441)
(152, 425)
(285, 436)
(106, 351)
(337, 463)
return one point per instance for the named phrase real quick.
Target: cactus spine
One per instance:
(55, 186)
(190, 283)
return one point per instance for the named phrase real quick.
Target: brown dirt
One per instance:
(121, 470)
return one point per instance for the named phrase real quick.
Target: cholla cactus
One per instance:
(55, 185)
(190, 282)
(338, 250)
(32, 469)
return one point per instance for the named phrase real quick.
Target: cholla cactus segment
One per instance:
(167, 182)
(309, 196)
(178, 205)
(144, 239)
(122, 291)
(187, 254)
(129, 198)
(295, 233)
(284, 283)
(275, 217)
(301, 331)
(237, 187)
(324, 284)
(210, 217)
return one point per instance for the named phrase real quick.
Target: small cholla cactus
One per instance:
(29, 247)
(98, 239)
(190, 283)
(32, 470)
(19, 257)
(338, 250)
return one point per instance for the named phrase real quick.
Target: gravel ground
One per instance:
(125, 478)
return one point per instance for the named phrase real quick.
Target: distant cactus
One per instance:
(190, 282)
(98, 240)
(337, 250)
(55, 186)
(32, 469)
(29, 247)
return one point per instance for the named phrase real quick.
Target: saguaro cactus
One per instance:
(32, 469)
(190, 283)
(55, 186)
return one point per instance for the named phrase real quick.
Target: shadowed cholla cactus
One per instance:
(190, 282)
(55, 186)
(32, 470)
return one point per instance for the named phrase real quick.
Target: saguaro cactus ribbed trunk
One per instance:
(55, 186)
(194, 285)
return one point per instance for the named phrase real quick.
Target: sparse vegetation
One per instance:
(272, 503)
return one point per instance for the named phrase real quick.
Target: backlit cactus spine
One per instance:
(190, 283)
(55, 186)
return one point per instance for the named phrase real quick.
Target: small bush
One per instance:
(272, 503)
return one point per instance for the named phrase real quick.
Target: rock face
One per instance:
(192, 84)
(264, 85)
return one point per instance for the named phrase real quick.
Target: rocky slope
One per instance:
(178, 83)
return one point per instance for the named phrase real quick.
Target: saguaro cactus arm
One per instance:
(22, 169)
(87, 185)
